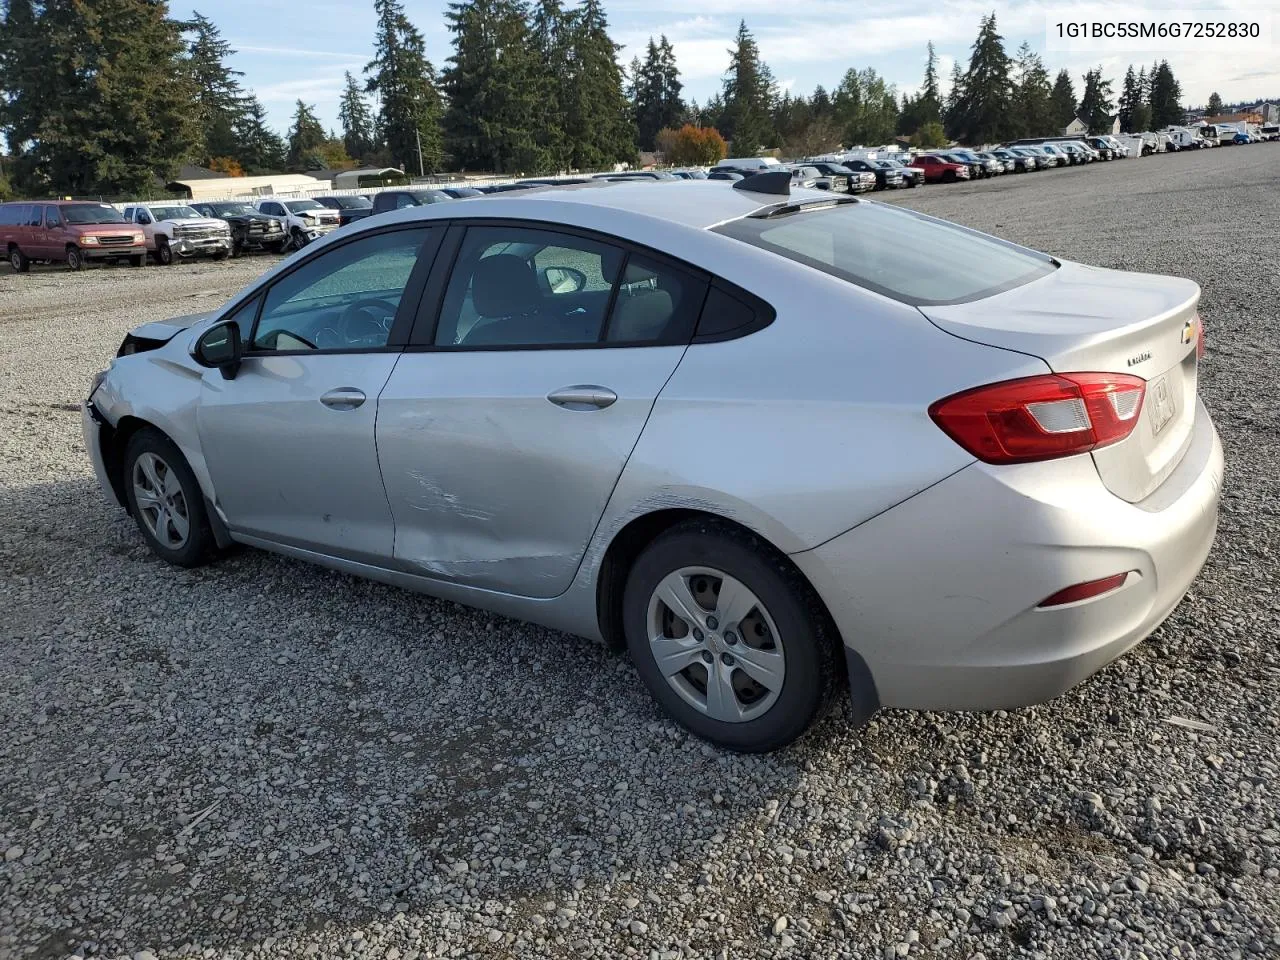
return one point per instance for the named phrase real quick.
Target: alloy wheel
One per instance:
(716, 644)
(162, 505)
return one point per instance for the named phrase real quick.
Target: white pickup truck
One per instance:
(303, 220)
(175, 230)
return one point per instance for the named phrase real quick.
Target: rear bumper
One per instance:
(91, 428)
(939, 596)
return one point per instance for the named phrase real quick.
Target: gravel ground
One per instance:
(267, 759)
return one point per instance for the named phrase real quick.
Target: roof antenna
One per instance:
(775, 182)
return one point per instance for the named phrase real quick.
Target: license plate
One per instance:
(1161, 404)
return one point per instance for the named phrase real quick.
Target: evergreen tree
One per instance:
(930, 100)
(98, 97)
(599, 128)
(1033, 107)
(405, 82)
(306, 137)
(1130, 96)
(748, 96)
(1095, 102)
(866, 108)
(1165, 96)
(220, 102)
(820, 103)
(1215, 108)
(1140, 117)
(358, 129)
(261, 150)
(1062, 101)
(951, 109)
(984, 110)
(493, 82)
(551, 33)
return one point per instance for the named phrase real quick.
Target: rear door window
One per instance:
(895, 252)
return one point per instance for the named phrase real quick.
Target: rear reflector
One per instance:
(1040, 418)
(1084, 591)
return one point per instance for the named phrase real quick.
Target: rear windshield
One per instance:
(895, 252)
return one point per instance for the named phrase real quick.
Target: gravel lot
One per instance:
(267, 759)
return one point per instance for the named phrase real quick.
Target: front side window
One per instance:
(513, 286)
(51, 218)
(344, 299)
(895, 252)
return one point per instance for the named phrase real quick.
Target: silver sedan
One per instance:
(776, 443)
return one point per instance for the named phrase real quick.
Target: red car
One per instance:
(937, 170)
(73, 232)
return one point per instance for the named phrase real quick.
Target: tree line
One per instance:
(104, 96)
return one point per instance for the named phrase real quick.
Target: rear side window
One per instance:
(9, 215)
(895, 252)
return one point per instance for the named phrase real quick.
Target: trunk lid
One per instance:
(1089, 319)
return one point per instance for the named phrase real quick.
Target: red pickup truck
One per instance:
(937, 170)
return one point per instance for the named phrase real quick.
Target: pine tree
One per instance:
(550, 29)
(599, 128)
(405, 82)
(1033, 108)
(220, 101)
(1165, 96)
(1214, 108)
(1129, 98)
(1095, 102)
(748, 96)
(866, 108)
(925, 107)
(262, 150)
(493, 82)
(1062, 101)
(820, 103)
(984, 110)
(98, 97)
(358, 129)
(1140, 118)
(952, 106)
(306, 137)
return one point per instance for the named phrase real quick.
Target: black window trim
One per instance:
(405, 312)
(422, 336)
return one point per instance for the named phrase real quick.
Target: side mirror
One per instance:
(220, 347)
(564, 279)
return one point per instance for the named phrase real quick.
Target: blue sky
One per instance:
(291, 49)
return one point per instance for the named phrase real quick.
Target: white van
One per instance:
(746, 163)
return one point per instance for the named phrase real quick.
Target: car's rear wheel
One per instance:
(18, 260)
(727, 638)
(75, 259)
(166, 501)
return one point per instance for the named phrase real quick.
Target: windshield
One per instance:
(351, 203)
(232, 209)
(174, 213)
(895, 252)
(839, 168)
(300, 206)
(91, 213)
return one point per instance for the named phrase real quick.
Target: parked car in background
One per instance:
(1269, 131)
(489, 188)
(912, 175)
(1006, 165)
(250, 230)
(723, 175)
(636, 175)
(1040, 160)
(304, 221)
(888, 175)
(939, 169)
(977, 169)
(844, 177)
(991, 167)
(350, 207)
(177, 231)
(1015, 162)
(544, 182)
(803, 175)
(74, 233)
(740, 164)
(690, 174)
(994, 504)
(1063, 157)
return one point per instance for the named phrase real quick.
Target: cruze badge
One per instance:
(1140, 358)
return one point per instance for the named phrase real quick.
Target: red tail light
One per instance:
(1085, 591)
(1039, 418)
(1200, 344)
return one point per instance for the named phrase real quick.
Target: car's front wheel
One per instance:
(166, 501)
(726, 637)
(164, 252)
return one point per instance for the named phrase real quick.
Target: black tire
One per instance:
(222, 255)
(75, 259)
(18, 260)
(812, 665)
(297, 238)
(164, 253)
(949, 176)
(137, 260)
(277, 248)
(199, 546)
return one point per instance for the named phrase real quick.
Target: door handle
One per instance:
(343, 398)
(583, 397)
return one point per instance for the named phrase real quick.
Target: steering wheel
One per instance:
(367, 320)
